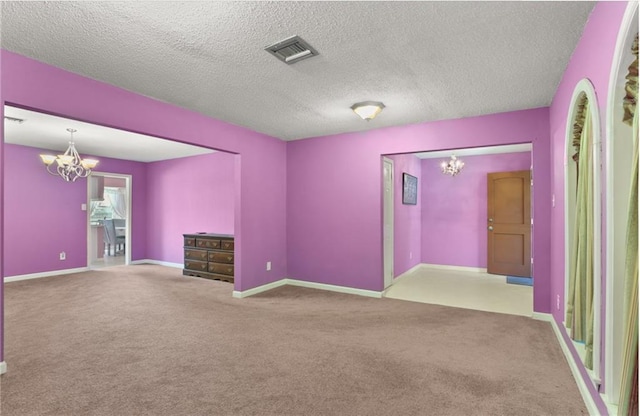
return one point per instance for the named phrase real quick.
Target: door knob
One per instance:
(490, 219)
(490, 228)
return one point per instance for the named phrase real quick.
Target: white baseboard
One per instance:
(401, 276)
(411, 270)
(159, 263)
(3, 367)
(8, 279)
(311, 285)
(582, 385)
(259, 289)
(455, 268)
(334, 288)
(539, 316)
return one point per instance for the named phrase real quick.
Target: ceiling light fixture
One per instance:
(69, 166)
(367, 110)
(452, 166)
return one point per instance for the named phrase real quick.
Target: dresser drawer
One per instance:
(195, 254)
(221, 268)
(200, 266)
(226, 244)
(189, 242)
(221, 257)
(207, 243)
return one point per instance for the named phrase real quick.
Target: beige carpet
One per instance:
(143, 340)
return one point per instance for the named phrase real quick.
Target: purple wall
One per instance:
(46, 208)
(407, 223)
(454, 209)
(188, 195)
(591, 59)
(334, 203)
(260, 171)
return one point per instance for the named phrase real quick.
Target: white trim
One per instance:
(477, 151)
(584, 86)
(539, 316)
(455, 268)
(159, 263)
(582, 385)
(259, 289)
(311, 285)
(334, 288)
(16, 278)
(411, 270)
(610, 377)
(403, 275)
(128, 231)
(388, 250)
(3, 367)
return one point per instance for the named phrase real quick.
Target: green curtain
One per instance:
(579, 316)
(630, 301)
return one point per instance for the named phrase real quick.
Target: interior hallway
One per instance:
(463, 289)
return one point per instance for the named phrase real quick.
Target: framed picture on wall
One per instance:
(409, 189)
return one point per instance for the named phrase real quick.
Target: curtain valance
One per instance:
(631, 87)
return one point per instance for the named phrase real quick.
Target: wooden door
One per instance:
(509, 223)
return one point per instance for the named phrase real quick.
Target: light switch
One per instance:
(83, 207)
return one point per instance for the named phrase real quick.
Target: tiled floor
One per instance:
(463, 289)
(108, 261)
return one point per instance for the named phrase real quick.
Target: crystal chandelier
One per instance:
(69, 166)
(452, 166)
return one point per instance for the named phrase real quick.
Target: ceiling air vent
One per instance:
(291, 50)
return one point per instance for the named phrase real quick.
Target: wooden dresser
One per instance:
(209, 256)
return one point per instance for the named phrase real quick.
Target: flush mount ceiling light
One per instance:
(69, 166)
(452, 166)
(367, 110)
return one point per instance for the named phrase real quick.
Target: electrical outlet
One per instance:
(63, 255)
(268, 265)
(410, 255)
(558, 302)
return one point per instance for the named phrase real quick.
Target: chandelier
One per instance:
(452, 166)
(69, 166)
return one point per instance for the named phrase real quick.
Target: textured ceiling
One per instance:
(425, 60)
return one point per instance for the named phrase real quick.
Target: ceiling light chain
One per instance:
(69, 166)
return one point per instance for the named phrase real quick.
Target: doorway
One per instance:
(109, 220)
(442, 238)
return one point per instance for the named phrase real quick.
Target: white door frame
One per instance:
(387, 222)
(129, 185)
(614, 168)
